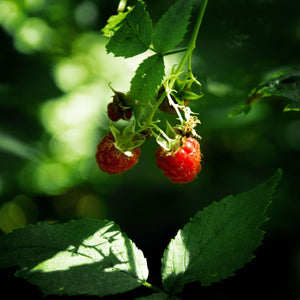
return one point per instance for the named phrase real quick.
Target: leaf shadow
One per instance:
(79, 257)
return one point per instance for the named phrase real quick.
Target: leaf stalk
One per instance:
(192, 43)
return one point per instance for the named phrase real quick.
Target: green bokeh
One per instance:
(54, 89)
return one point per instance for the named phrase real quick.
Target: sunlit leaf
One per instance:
(130, 33)
(113, 24)
(218, 240)
(79, 257)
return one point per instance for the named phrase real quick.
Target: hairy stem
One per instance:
(153, 287)
(192, 43)
(187, 56)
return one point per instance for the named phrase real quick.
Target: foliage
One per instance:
(202, 250)
(129, 32)
(284, 84)
(55, 83)
(95, 258)
(56, 256)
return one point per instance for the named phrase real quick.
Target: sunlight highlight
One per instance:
(34, 34)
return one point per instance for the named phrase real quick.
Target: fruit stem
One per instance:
(153, 287)
(175, 51)
(192, 43)
(187, 56)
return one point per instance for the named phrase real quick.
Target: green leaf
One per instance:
(113, 24)
(145, 84)
(130, 33)
(218, 240)
(172, 26)
(284, 85)
(89, 257)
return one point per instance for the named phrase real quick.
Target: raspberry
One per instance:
(118, 108)
(113, 111)
(113, 161)
(183, 165)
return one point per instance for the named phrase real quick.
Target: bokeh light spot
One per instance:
(86, 13)
(17, 213)
(34, 34)
(71, 72)
(90, 206)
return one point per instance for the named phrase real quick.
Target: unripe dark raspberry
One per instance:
(113, 112)
(118, 108)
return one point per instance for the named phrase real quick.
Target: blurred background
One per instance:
(54, 90)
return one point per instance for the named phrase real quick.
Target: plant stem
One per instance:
(153, 287)
(187, 56)
(192, 43)
(175, 51)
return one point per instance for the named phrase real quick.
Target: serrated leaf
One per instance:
(283, 85)
(113, 24)
(172, 26)
(89, 257)
(218, 240)
(130, 34)
(145, 84)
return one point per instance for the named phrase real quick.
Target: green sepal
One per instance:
(171, 133)
(169, 140)
(189, 95)
(125, 141)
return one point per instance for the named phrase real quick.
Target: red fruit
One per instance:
(113, 161)
(183, 165)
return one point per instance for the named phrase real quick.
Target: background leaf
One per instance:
(79, 257)
(172, 26)
(218, 240)
(283, 84)
(145, 84)
(132, 35)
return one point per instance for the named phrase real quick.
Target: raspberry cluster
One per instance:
(118, 152)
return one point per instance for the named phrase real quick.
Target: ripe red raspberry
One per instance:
(113, 161)
(183, 165)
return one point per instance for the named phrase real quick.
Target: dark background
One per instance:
(54, 76)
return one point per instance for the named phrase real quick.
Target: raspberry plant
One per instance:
(131, 33)
(94, 257)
